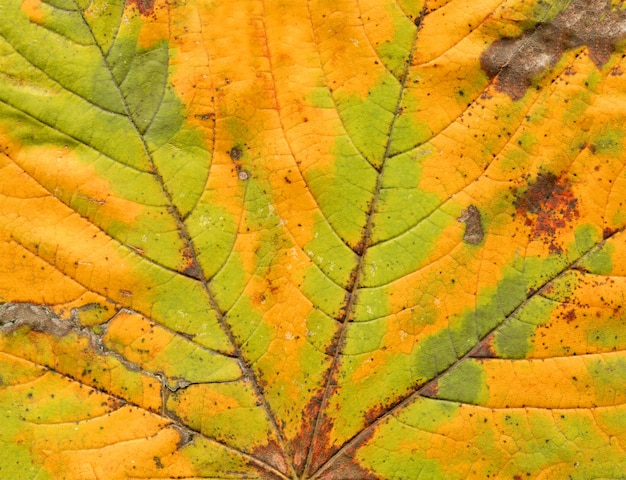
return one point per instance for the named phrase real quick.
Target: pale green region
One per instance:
(599, 262)
(320, 330)
(405, 253)
(181, 304)
(610, 142)
(144, 85)
(401, 204)
(16, 461)
(61, 59)
(366, 384)
(527, 140)
(332, 256)
(514, 338)
(229, 282)
(594, 78)
(211, 460)
(322, 292)
(567, 441)
(249, 330)
(213, 231)
(365, 337)
(321, 97)
(367, 120)
(243, 424)
(513, 158)
(413, 8)
(183, 162)
(67, 23)
(371, 303)
(497, 444)
(16, 372)
(396, 53)
(607, 339)
(104, 17)
(608, 373)
(39, 104)
(541, 11)
(414, 426)
(181, 359)
(586, 236)
(92, 315)
(467, 384)
(344, 190)
(576, 107)
(407, 131)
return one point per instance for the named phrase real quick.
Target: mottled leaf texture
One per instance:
(312, 239)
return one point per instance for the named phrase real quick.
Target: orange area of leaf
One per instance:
(562, 382)
(32, 9)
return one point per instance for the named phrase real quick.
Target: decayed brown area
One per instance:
(144, 6)
(515, 61)
(548, 205)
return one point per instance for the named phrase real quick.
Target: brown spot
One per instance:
(484, 349)
(190, 266)
(548, 205)
(474, 233)
(235, 153)
(515, 61)
(430, 390)
(145, 6)
(570, 316)
(608, 232)
(157, 462)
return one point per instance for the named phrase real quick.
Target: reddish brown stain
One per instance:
(145, 6)
(515, 61)
(485, 349)
(431, 390)
(347, 468)
(273, 455)
(570, 316)
(548, 205)
(190, 266)
(304, 440)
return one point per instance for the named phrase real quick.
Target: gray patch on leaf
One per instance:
(39, 318)
(474, 232)
(590, 23)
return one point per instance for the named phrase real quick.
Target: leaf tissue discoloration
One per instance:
(515, 61)
(145, 6)
(474, 232)
(39, 318)
(548, 205)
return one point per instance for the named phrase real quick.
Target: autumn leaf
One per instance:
(323, 240)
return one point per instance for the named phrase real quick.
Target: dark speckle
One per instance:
(235, 153)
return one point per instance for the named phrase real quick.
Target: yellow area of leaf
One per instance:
(67, 177)
(446, 27)
(75, 356)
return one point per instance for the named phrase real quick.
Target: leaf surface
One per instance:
(312, 240)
